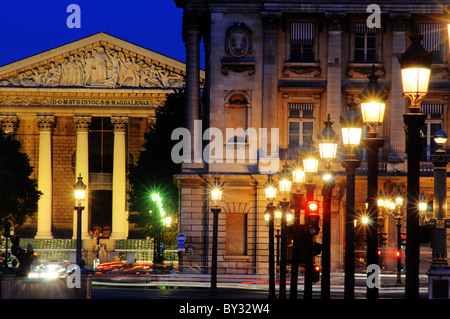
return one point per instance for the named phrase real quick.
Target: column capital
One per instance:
(45, 122)
(8, 122)
(400, 21)
(270, 19)
(82, 123)
(192, 21)
(119, 123)
(335, 20)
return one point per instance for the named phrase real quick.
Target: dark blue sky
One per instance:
(29, 27)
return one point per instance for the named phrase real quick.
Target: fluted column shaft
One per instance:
(44, 216)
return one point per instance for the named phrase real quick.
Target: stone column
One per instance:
(191, 36)
(119, 213)
(397, 134)
(334, 83)
(270, 86)
(82, 167)
(44, 216)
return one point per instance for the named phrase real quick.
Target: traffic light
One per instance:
(316, 273)
(312, 217)
(383, 239)
(398, 254)
(317, 248)
(402, 240)
(361, 240)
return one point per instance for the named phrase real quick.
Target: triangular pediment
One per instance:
(99, 61)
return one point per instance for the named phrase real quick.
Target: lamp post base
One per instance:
(213, 289)
(439, 283)
(413, 124)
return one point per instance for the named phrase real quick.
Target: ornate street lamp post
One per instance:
(310, 166)
(439, 241)
(351, 126)
(415, 66)
(80, 192)
(298, 178)
(328, 142)
(399, 216)
(439, 271)
(158, 247)
(216, 197)
(373, 104)
(393, 209)
(271, 194)
(285, 184)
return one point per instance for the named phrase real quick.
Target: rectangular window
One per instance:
(302, 42)
(365, 43)
(433, 123)
(431, 41)
(300, 127)
(236, 234)
(101, 145)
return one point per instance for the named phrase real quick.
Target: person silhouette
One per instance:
(25, 257)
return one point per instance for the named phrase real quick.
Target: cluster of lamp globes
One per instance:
(167, 220)
(386, 204)
(80, 193)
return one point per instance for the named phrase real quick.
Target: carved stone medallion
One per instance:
(238, 40)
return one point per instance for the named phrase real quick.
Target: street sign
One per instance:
(181, 238)
(181, 247)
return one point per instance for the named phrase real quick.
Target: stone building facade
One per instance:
(84, 108)
(278, 69)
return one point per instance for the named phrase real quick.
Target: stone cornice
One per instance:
(317, 6)
(78, 98)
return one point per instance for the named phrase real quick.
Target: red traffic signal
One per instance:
(316, 273)
(312, 217)
(398, 253)
(402, 239)
(312, 206)
(383, 239)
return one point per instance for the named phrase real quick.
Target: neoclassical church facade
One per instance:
(279, 69)
(83, 109)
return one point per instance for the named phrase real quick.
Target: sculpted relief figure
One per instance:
(88, 61)
(97, 68)
(75, 71)
(65, 72)
(26, 79)
(113, 69)
(54, 75)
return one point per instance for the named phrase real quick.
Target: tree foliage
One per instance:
(154, 170)
(19, 195)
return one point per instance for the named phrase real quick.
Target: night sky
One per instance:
(29, 27)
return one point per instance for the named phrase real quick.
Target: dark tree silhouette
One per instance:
(154, 170)
(19, 195)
